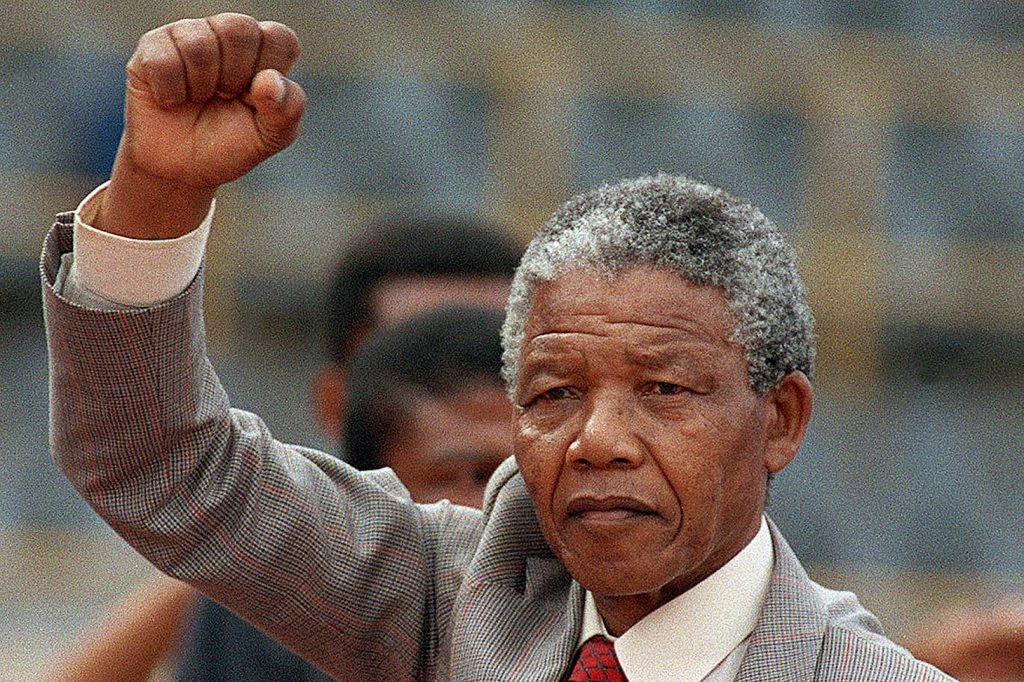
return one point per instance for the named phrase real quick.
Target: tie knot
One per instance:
(597, 662)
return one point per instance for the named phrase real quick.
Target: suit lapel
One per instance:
(518, 614)
(787, 638)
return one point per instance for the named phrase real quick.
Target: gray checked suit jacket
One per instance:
(339, 565)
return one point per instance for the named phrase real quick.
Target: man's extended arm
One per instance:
(336, 564)
(143, 430)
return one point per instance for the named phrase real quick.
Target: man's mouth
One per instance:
(607, 509)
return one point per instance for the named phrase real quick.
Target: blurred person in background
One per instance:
(426, 400)
(396, 269)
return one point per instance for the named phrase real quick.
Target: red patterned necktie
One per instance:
(597, 662)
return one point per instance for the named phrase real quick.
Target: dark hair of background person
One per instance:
(435, 354)
(411, 245)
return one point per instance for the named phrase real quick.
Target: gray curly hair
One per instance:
(674, 223)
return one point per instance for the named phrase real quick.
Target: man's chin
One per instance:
(616, 575)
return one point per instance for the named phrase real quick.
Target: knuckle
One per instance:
(281, 40)
(199, 51)
(235, 30)
(234, 21)
(201, 54)
(185, 30)
(148, 38)
(192, 35)
(159, 67)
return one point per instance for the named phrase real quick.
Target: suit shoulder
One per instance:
(854, 646)
(852, 652)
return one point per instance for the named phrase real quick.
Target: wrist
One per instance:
(140, 205)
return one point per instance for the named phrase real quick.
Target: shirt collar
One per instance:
(704, 624)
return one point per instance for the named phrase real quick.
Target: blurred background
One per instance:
(886, 138)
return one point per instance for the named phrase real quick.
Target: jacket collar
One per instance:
(788, 635)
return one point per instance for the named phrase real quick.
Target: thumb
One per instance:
(279, 104)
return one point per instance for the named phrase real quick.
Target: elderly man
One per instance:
(657, 348)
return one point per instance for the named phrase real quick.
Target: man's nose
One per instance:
(608, 437)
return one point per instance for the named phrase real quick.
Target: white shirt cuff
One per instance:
(134, 273)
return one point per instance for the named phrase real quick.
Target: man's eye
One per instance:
(666, 388)
(559, 393)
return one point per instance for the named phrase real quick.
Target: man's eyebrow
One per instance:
(678, 352)
(545, 362)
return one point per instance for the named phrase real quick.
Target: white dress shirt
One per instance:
(109, 271)
(701, 635)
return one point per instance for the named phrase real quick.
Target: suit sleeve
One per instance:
(336, 564)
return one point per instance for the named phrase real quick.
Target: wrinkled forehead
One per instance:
(655, 301)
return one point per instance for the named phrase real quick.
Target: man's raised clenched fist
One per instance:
(207, 100)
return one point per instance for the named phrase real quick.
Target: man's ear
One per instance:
(789, 410)
(328, 398)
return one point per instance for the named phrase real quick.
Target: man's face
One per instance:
(637, 433)
(449, 446)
